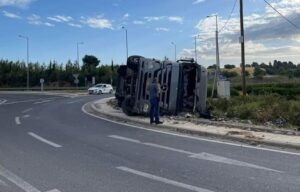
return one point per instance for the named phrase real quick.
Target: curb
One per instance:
(249, 141)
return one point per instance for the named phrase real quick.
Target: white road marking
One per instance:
(3, 183)
(27, 110)
(41, 102)
(54, 190)
(202, 156)
(72, 102)
(44, 140)
(2, 101)
(26, 116)
(28, 101)
(188, 136)
(17, 180)
(220, 159)
(17, 120)
(163, 180)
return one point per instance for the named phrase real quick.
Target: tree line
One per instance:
(14, 74)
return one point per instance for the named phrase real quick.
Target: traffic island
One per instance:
(246, 134)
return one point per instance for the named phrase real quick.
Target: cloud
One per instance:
(97, 22)
(60, 18)
(198, 1)
(154, 18)
(37, 20)
(137, 22)
(15, 3)
(125, 16)
(176, 19)
(75, 25)
(267, 34)
(11, 15)
(163, 29)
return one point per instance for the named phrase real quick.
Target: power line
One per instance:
(229, 17)
(289, 21)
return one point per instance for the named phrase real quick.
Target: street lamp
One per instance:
(126, 36)
(175, 47)
(78, 43)
(196, 37)
(27, 63)
(217, 53)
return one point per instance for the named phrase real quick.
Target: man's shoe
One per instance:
(159, 122)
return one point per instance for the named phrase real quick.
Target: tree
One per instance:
(259, 73)
(90, 61)
(228, 66)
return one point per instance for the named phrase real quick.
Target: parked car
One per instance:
(101, 89)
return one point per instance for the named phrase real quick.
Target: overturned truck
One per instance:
(183, 86)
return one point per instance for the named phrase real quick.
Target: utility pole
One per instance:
(217, 55)
(27, 63)
(175, 47)
(126, 36)
(242, 40)
(78, 43)
(196, 48)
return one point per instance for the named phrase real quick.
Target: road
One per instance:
(49, 144)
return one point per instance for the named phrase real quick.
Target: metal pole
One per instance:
(175, 47)
(27, 60)
(27, 38)
(196, 49)
(78, 61)
(126, 36)
(242, 40)
(217, 56)
(126, 43)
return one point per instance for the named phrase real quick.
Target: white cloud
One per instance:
(163, 29)
(267, 35)
(11, 15)
(97, 22)
(37, 20)
(176, 19)
(75, 25)
(49, 24)
(154, 18)
(60, 18)
(125, 16)
(16, 3)
(137, 22)
(198, 1)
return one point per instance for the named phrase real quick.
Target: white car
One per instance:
(100, 89)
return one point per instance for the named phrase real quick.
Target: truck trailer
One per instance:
(183, 86)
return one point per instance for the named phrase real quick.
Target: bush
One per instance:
(259, 109)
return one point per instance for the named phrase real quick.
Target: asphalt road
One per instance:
(48, 144)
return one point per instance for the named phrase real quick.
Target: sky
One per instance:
(54, 28)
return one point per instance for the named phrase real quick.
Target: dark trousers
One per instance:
(154, 110)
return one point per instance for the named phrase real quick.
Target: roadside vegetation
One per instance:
(56, 75)
(273, 95)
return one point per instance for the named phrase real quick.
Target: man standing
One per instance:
(154, 101)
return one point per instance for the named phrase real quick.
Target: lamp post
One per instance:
(27, 62)
(126, 36)
(196, 37)
(175, 47)
(78, 43)
(217, 54)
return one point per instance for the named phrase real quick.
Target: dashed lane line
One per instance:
(44, 140)
(17, 120)
(41, 102)
(29, 100)
(163, 180)
(201, 156)
(27, 110)
(2, 101)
